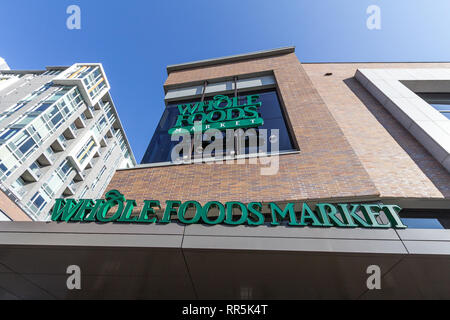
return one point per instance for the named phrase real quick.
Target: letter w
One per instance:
(66, 211)
(189, 107)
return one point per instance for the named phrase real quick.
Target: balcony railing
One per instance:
(72, 188)
(34, 168)
(62, 140)
(50, 154)
(74, 128)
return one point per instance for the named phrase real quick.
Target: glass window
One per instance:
(36, 169)
(83, 192)
(35, 127)
(52, 186)
(439, 101)
(18, 106)
(62, 140)
(41, 128)
(422, 223)
(263, 108)
(65, 168)
(56, 96)
(23, 144)
(25, 101)
(42, 107)
(27, 146)
(86, 151)
(3, 168)
(18, 187)
(56, 119)
(426, 218)
(38, 202)
(99, 176)
(8, 163)
(8, 133)
(23, 121)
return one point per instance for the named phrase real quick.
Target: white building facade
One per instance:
(60, 136)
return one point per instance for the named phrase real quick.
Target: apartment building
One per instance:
(60, 136)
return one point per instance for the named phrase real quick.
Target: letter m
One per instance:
(63, 211)
(283, 213)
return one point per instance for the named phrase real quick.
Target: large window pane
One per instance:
(270, 111)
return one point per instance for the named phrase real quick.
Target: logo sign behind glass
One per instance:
(220, 113)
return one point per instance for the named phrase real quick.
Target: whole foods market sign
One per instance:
(115, 208)
(220, 113)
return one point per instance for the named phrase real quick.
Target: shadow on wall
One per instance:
(437, 174)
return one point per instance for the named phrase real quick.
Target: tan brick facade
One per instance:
(326, 167)
(396, 162)
(11, 209)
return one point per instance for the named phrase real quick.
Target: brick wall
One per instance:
(11, 209)
(396, 162)
(326, 168)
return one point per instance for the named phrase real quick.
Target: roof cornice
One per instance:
(228, 59)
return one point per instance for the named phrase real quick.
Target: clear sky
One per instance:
(136, 40)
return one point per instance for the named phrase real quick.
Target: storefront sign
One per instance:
(220, 113)
(115, 208)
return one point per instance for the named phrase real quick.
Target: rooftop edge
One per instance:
(233, 58)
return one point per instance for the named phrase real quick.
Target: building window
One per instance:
(425, 219)
(439, 101)
(83, 192)
(22, 103)
(18, 187)
(64, 169)
(26, 134)
(36, 169)
(37, 203)
(8, 163)
(52, 186)
(86, 151)
(23, 145)
(100, 125)
(92, 78)
(266, 108)
(99, 176)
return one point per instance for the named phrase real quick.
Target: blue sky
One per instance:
(136, 40)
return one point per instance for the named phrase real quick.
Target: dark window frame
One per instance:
(235, 92)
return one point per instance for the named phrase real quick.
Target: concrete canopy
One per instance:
(200, 262)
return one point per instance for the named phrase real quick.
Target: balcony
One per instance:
(71, 132)
(112, 119)
(80, 176)
(89, 165)
(106, 106)
(81, 121)
(103, 142)
(32, 174)
(71, 189)
(100, 105)
(109, 134)
(87, 78)
(18, 188)
(47, 158)
(60, 144)
(89, 113)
